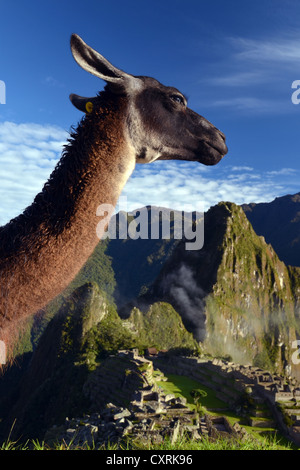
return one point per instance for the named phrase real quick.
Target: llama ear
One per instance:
(93, 62)
(85, 105)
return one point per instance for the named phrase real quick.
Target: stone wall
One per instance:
(229, 380)
(126, 382)
(149, 417)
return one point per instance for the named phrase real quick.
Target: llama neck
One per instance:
(43, 249)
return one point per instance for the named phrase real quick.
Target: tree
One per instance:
(196, 394)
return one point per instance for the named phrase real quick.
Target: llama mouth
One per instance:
(207, 154)
(211, 154)
(219, 145)
(214, 153)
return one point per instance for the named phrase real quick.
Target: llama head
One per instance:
(160, 126)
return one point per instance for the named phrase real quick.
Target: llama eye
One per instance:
(178, 98)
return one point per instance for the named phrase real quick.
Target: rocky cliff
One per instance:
(51, 384)
(160, 326)
(235, 294)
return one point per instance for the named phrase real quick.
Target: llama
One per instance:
(135, 119)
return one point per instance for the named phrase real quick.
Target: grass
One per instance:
(182, 444)
(181, 386)
(267, 443)
(266, 437)
(259, 438)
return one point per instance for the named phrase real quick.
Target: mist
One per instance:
(187, 297)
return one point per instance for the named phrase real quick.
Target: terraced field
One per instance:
(181, 385)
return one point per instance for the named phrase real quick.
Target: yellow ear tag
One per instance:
(89, 106)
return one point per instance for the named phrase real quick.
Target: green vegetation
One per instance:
(246, 286)
(161, 327)
(249, 299)
(106, 338)
(264, 437)
(286, 417)
(251, 309)
(98, 269)
(183, 443)
(76, 342)
(180, 385)
(197, 394)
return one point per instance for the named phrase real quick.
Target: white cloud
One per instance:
(255, 74)
(282, 171)
(252, 104)
(280, 49)
(240, 78)
(242, 168)
(29, 153)
(191, 185)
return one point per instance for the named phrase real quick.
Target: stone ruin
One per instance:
(280, 394)
(150, 417)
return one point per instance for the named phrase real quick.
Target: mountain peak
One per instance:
(234, 294)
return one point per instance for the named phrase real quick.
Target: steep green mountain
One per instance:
(279, 222)
(121, 267)
(159, 326)
(75, 349)
(51, 384)
(235, 284)
(234, 294)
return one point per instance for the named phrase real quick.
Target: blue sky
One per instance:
(236, 62)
